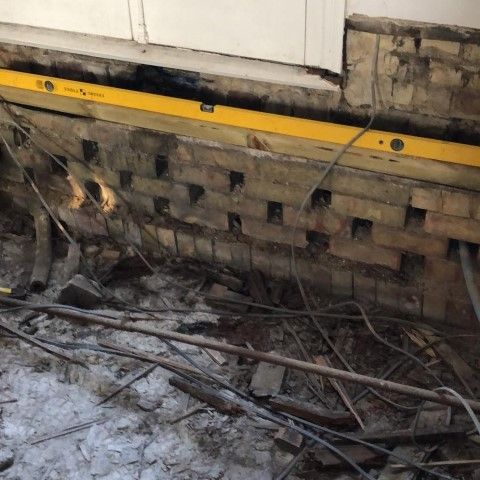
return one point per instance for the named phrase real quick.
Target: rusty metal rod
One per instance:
(274, 359)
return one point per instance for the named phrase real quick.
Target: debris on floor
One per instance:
(115, 372)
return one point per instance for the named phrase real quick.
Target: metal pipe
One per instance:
(43, 250)
(246, 353)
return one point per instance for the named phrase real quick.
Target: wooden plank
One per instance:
(312, 413)
(206, 395)
(441, 172)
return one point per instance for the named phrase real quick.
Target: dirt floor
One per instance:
(54, 426)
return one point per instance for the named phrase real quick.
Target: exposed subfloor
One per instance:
(139, 433)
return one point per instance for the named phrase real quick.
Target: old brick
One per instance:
(453, 227)
(466, 104)
(437, 48)
(99, 225)
(411, 239)
(360, 48)
(166, 238)
(199, 216)
(387, 294)
(185, 244)
(289, 171)
(116, 229)
(364, 288)
(184, 152)
(365, 252)
(204, 249)
(280, 265)
(149, 142)
(388, 64)
(322, 220)
(154, 187)
(442, 272)
(143, 165)
(227, 159)
(241, 256)
(234, 203)
(273, 233)
(315, 274)
(261, 261)
(83, 222)
(149, 238)
(471, 52)
(442, 74)
(132, 202)
(456, 203)
(432, 99)
(368, 209)
(39, 161)
(222, 252)
(427, 199)
(434, 307)
(65, 214)
(369, 185)
(403, 94)
(213, 178)
(342, 283)
(132, 233)
(287, 195)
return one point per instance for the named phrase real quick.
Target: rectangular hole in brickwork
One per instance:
(125, 179)
(412, 265)
(234, 223)
(317, 240)
(275, 213)
(161, 166)
(90, 151)
(416, 216)
(30, 172)
(361, 228)
(321, 198)
(237, 181)
(162, 205)
(454, 250)
(93, 188)
(195, 192)
(56, 168)
(19, 137)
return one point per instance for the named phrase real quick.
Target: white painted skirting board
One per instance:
(168, 57)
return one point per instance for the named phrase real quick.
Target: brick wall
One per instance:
(428, 78)
(377, 238)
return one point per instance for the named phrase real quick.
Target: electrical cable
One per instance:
(467, 267)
